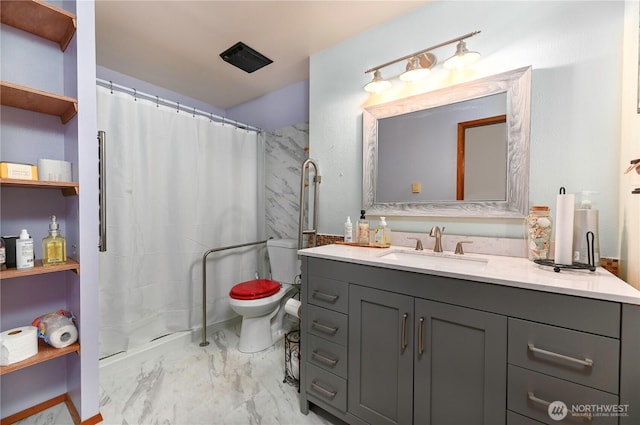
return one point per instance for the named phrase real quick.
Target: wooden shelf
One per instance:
(67, 188)
(38, 101)
(45, 352)
(40, 18)
(40, 269)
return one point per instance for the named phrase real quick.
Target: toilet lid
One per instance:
(254, 289)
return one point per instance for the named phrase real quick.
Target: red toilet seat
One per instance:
(254, 289)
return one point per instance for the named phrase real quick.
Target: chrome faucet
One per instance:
(437, 233)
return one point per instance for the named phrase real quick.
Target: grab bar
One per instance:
(316, 183)
(204, 342)
(102, 188)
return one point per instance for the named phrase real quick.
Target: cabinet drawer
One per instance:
(327, 324)
(580, 357)
(530, 393)
(327, 355)
(517, 419)
(328, 293)
(327, 387)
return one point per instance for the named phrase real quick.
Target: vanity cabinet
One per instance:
(415, 360)
(428, 349)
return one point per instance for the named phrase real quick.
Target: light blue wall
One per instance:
(574, 49)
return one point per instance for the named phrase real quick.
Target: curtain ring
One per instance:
(194, 112)
(223, 121)
(111, 86)
(157, 101)
(210, 116)
(135, 93)
(178, 110)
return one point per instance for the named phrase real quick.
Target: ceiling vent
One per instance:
(244, 57)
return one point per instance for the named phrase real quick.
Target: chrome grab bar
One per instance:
(586, 362)
(102, 189)
(204, 342)
(316, 183)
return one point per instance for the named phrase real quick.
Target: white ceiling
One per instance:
(176, 44)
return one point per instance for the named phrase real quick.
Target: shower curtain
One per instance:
(177, 185)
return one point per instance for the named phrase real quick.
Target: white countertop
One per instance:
(499, 270)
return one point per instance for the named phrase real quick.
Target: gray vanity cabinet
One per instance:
(459, 365)
(388, 346)
(380, 356)
(417, 361)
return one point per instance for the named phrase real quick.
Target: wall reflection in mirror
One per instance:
(457, 151)
(418, 153)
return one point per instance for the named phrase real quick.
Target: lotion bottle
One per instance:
(363, 229)
(24, 251)
(54, 246)
(348, 230)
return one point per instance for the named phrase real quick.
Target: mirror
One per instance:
(411, 169)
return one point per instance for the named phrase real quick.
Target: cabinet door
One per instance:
(380, 356)
(460, 365)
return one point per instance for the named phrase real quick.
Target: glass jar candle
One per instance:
(539, 227)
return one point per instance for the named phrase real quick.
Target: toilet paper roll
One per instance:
(564, 229)
(18, 344)
(293, 307)
(56, 330)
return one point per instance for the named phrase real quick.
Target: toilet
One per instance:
(260, 302)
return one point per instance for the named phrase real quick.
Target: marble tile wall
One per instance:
(285, 151)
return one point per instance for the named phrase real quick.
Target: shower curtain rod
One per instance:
(177, 105)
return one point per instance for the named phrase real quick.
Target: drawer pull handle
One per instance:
(532, 397)
(421, 337)
(324, 328)
(324, 359)
(403, 343)
(325, 392)
(326, 297)
(586, 362)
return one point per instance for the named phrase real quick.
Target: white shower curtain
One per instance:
(177, 185)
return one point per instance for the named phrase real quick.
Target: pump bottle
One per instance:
(54, 246)
(348, 230)
(363, 230)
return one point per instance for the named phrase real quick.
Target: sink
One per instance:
(435, 261)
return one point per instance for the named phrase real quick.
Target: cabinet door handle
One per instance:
(586, 362)
(324, 328)
(421, 337)
(326, 297)
(532, 397)
(403, 343)
(324, 359)
(325, 392)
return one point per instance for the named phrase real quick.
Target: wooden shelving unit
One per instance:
(38, 101)
(39, 18)
(45, 353)
(38, 268)
(67, 188)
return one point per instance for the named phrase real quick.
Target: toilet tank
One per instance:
(283, 259)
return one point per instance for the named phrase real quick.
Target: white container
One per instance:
(24, 251)
(348, 230)
(54, 170)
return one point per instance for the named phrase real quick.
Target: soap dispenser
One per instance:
(363, 229)
(54, 246)
(383, 233)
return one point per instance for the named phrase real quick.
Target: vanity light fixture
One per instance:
(462, 58)
(377, 84)
(420, 63)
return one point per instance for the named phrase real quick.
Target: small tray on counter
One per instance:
(362, 245)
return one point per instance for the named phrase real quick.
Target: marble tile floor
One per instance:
(198, 385)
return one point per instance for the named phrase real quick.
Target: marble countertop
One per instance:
(494, 269)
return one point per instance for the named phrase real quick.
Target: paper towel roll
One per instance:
(18, 344)
(564, 228)
(292, 307)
